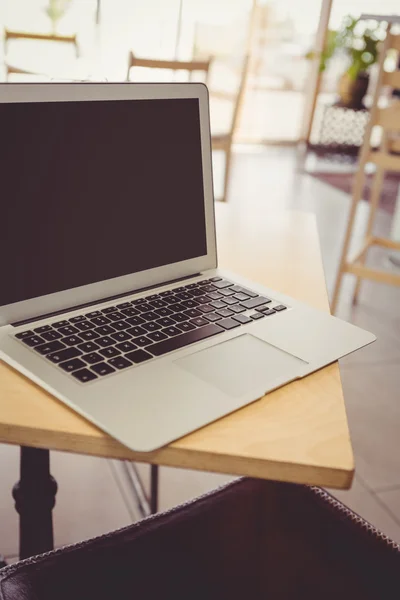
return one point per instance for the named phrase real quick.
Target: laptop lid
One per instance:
(106, 189)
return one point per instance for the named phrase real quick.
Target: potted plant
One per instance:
(358, 41)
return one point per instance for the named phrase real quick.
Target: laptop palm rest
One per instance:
(242, 364)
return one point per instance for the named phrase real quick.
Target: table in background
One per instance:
(297, 433)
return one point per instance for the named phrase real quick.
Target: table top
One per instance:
(297, 433)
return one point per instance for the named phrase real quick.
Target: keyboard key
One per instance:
(166, 293)
(68, 330)
(145, 307)
(77, 319)
(167, 321)
(236, 308)
(24, 334)
(180, 341)
(85, 325)
(121, 325)
(150, 316)
(138, 356)
(228, 323)
(105, 330)
(224, 312)
(105, 341)
(52, 335)
(120, 362)
(240, 296)
(102, 369)
(109, 352)
(257, 315)
(121, 336)
(254, 302)
(242, 319)
(60, 324)
(190, 303)
(42, 329)
(214, 296)
(179, 289)
(268, 311)
(159, 303)
(92, 358)
(177, 307)
(226, 292)
(84, 375)
(153, 297)
(57, 357)
(206, 308)
(71, 340)
(108, 310)
(280, 307)
(94, 313)
(72, 365)
(199, 321)
(179, 318)
(124, 305)
(202, 300)
(138, 301)
(88, 347)
(238, 289)
(215, 279)
(171, 300)
(151, 326)
(100, 321)
(33, 340)
(218, 304)
(130, 312)
(184, 296)
(185, 327)
(191, 286)
(164, 312)
(88, 335)
(126, 346)
(212, 317)
(208, 288)
(116, 316)
(222, 283)
(135, 320)
(192, 313)
(230, 300)
(170, 331)
(197, 292)
(49, 347)
(135, 331)
(157, 336)
(142, 341)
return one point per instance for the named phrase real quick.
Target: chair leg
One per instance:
(154, 471)
(374, 203)
(358, 188)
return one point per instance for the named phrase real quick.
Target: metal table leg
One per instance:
(34, 497)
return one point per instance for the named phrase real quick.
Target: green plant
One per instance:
(358, 41)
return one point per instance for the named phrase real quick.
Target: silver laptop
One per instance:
(110, 295)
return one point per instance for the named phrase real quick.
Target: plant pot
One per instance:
(352, 91)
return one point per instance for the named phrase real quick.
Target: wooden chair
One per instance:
(221, 141)
(386, 157)
(46, 37)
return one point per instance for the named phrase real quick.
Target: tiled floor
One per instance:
(90, 501)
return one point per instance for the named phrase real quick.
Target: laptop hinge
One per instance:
(101, 301)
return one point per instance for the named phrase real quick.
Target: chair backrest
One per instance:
(387, 117)
(191, 66)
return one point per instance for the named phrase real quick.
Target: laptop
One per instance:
(111, 298)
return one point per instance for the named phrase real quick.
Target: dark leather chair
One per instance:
(249, 540)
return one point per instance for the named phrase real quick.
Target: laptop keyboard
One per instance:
(101, 342)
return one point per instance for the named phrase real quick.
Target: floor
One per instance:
(91, 499)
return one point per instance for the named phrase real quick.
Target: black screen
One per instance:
(95, 190)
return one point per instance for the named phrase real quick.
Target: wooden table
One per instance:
(298, 433)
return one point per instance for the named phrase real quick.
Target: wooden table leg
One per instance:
(34, 497)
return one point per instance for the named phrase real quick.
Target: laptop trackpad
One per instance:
(242, 364)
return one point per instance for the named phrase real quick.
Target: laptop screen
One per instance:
(93, 190)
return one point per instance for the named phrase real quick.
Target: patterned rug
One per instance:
(344, 182)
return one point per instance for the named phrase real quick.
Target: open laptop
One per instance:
(110, 295)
